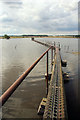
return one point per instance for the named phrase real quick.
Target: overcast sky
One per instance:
(39, 17)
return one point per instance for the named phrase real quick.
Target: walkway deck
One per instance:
(55, 105)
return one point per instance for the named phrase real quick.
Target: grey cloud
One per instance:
(56, 19)
(74, 7)
(5, 1)
(49, 26)
(7, 20)
(13, 3)
(68, 28)
(49, 18)
(56, 13)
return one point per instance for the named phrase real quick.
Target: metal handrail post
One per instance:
(51, 57)
(47, 75)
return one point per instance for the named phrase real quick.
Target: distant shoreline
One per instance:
(40, 37)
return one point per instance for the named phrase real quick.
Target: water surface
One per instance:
(17, 56)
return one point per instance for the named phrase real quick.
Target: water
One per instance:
(17, 56)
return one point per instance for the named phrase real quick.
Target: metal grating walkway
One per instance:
(56, 106)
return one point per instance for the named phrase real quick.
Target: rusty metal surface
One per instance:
(51, 58)
(14, 86)
(47, 74)
(45, 44)
(55, 105)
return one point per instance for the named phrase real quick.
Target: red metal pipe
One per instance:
(13, 87)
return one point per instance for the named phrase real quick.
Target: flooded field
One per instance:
(17, 56)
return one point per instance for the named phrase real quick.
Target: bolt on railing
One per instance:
(14, 86)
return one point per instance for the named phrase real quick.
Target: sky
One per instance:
(52, 17)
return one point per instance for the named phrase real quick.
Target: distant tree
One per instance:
(6, 36)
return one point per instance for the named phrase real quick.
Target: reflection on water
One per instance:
(17, 56)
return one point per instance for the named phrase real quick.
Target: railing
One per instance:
(14, 86)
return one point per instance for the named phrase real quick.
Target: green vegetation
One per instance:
(39, 36)
(6, 36)
(34, 35)
(72, 36)
(63, 36)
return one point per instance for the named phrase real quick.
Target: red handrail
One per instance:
(14, 86)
